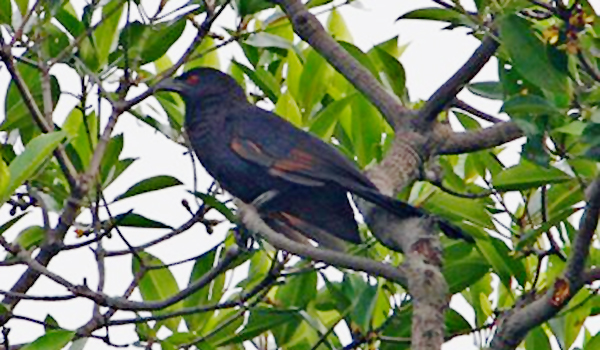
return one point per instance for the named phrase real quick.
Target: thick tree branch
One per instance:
(252, 220)
(448, 91)
(308, 27)
(533, 310)
(473, 141)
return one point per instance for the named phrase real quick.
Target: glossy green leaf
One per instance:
(137, 220)
(5, 12)
(212, 202)
(4, 176)
(204, 55)
(27, 163)
(5, 226)
(537, 339)
(106, 34)
(527, 175)
(209, 295)
(249, 7)
(362, 57)
(336, 26)
(17, 115)
(437, 14)
(464, 272)
(298, 290)
(261, 320)
(287, 108)
(263, 79)
(262, 39)
(459, 209)
(313, 81)
(156, 285)
(50, 323)
(294, 73)
(392, 69)
(30, 237)
(529, 55)
(367, 128)
(52, 340)
(529, 105)
(488, 89)
(148, 185)
(323, 124)
(592, 344)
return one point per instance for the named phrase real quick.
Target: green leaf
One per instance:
(492, 90)
(287, 108)
(537, 339)
(212, 202)
(53, 340)
(592, 344)
(249, 7)
(156, 285)
(367, 127)
(50, 323)
(527, 175)
(261, 320)
(27, 163)
(459, 209)
(30, 237)
(205, 55)
(362, 57)
(148, 185)
(323, 124)
(262, 39)
(4, 176)
(137, 220)
(529, 105)
(298, 290)
(392, 69)
(336, 26)
(147, 43)
(17, 115)
(11, 222)
(294, 73)
(437, 14)
(313, 81)
(210, 294)
(5, 12)
(105, 35)
(529, 55)
(263, 79)
(462, 273)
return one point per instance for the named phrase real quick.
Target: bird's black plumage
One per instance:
(250, 152)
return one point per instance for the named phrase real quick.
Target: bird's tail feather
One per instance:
(404, 211)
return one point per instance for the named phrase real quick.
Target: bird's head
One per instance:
(201, 83)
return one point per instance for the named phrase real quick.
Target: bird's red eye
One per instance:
(193, 79)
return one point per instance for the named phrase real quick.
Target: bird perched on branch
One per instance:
(298, 182)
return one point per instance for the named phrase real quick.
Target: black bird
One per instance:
(299, 182)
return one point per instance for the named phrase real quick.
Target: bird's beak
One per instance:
(170, 84)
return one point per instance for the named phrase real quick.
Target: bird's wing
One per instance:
(265, 139)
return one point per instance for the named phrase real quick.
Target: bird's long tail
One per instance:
(404, 211)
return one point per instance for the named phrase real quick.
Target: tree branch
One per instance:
(533, 309)
(473, 141)
(251, 219)
(448, 91)
(308, 27)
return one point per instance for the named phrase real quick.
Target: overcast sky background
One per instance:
(432, 56)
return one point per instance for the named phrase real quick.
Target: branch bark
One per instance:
(473, 141)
